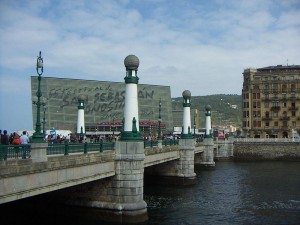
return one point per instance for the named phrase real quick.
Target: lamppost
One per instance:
(38, 136)
(195, 123)
(113, 128)
(44, 101)
(159, 121)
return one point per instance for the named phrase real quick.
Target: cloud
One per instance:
(199, 45)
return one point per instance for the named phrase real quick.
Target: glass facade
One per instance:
(104, 102)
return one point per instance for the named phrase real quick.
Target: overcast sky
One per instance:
(197, 45)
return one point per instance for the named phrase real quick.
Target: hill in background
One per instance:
(226, 109)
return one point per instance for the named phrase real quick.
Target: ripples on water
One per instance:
(232, 193)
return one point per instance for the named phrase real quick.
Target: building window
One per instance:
(267, 124)
(275, 123)
(284, 87)
(267, 96)
(254, 123)
(293, 87)
(267, 104)
(275, 114)
(258, 114)
(293, 113)
(293, 94)
(293, 123)
(284, 95)
(284, 104)
(259, 123)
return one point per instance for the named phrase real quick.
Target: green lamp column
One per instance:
(38, 136)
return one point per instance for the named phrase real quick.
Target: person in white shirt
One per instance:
(24, 138)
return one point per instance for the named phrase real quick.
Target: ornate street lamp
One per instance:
(195, 123)
(38, 136)
(159, 121)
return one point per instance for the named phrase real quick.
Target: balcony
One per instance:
(266, 91)
(293, 108)
(275, 108)
(267, 118)
(284, 118)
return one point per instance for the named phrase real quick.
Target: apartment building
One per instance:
(271, 101)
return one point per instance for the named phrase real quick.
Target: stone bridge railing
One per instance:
(66, 166)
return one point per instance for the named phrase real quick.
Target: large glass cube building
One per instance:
(104, 103)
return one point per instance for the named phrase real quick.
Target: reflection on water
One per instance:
(232, 193)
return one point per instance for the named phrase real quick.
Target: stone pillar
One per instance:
(130, 129)
(186, 124)
(185, 165)
(38, 152)
(80, 116)
(208, 153)
(208, 142)
(230, 146)
(128, 183)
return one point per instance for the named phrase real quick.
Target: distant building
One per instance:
(271, 101)
(104, 103)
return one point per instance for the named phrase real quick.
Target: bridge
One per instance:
(69, 165)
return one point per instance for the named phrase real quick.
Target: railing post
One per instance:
(144, 144)
(101, 145)
(85, 148)
(151, 143)
(23, 151)
(66, 148)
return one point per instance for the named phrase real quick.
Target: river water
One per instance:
(231, 193)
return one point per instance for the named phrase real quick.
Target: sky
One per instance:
(197, 45)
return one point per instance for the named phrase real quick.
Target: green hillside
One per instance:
(223, 109)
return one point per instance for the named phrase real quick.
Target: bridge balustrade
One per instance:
(14, 152)
(67, 148)
(23, 151)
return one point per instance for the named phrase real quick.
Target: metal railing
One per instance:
(67, 148)
(14, 152)
(23, 151)
(269, 140)
(150, 144)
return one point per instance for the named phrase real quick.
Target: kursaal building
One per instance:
(103, 104)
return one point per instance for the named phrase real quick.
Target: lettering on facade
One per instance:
(104, 100)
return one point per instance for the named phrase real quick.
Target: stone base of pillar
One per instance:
(159, 144)
(186, 161)
(182, 168)
(122, 194)
(208, 153)
(38, 152)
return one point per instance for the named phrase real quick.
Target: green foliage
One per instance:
(222, 108)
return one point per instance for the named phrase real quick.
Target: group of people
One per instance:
(14, 138)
